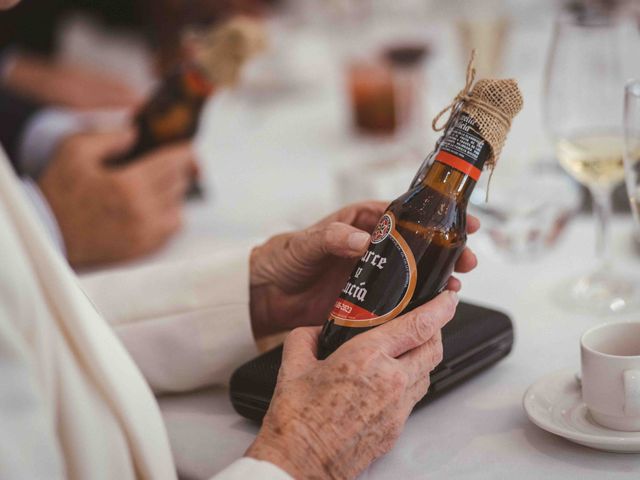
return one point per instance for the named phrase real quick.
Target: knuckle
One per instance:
(313, 238)
(329, 234)
(294, 336)
(427, 384)
(422, 388)
(437, 354)
(422, 327)
(368, 353)
(326, 234)
(395, 381)
(387, 443)
(451, 307)
(369, 360)
(395, 429)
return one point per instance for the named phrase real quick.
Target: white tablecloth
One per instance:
(478, 430)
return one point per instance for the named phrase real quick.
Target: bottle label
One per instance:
(463, 148)
(382, 283)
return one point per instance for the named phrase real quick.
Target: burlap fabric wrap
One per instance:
(492, 103)
(224, 50)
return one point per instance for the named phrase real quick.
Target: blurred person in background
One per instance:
(96, 213)
(77, 397)
(30, 36)
(30, 65)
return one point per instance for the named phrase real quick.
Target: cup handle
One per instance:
(631, 392)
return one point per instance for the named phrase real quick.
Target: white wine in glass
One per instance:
(594, 159)
(583, 113)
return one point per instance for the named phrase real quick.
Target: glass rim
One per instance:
(632, 87)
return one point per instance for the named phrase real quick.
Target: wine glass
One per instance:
(632, 147)
(583, 113)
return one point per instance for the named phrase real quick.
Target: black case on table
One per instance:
(476, 338)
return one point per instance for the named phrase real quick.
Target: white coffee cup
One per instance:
(611, 375)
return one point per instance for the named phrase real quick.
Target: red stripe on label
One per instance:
(198, 84)
(459, 164)
(346, 310)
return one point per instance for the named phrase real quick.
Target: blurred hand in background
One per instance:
(74, 86)
(107, 214)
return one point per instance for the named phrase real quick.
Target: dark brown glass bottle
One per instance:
(172, 112)
(416, 243)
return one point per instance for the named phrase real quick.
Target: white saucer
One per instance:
(554, 403)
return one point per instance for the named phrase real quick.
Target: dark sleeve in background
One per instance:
(15, 113)
(32, 24)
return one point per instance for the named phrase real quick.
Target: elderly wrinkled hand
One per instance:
(108, 214)
(296, 277)
(332, 418)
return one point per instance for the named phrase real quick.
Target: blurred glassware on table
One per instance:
(372, 95)
(483, 26)
(384, 48)
(632, 148)
(386, 89)
(583, 115)
(527, 211)
(407, 59)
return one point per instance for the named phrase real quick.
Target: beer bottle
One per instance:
(213, 60)
(419, 238)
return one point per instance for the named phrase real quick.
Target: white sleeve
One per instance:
(251, 468)
(186, 324)
(45, 214)
(29, 446)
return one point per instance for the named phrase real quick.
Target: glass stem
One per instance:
(603, 211)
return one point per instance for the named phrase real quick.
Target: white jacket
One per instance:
(76, 401)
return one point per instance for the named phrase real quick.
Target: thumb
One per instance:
(299, 352)
(335, 238)
(104, 145)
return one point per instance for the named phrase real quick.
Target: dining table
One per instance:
(272, 152)
(479, 429)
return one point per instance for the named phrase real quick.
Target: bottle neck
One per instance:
(195, 82)
(450, 182)
(459, 159)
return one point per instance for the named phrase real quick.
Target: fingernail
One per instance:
(358, 240)
(454, 297)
